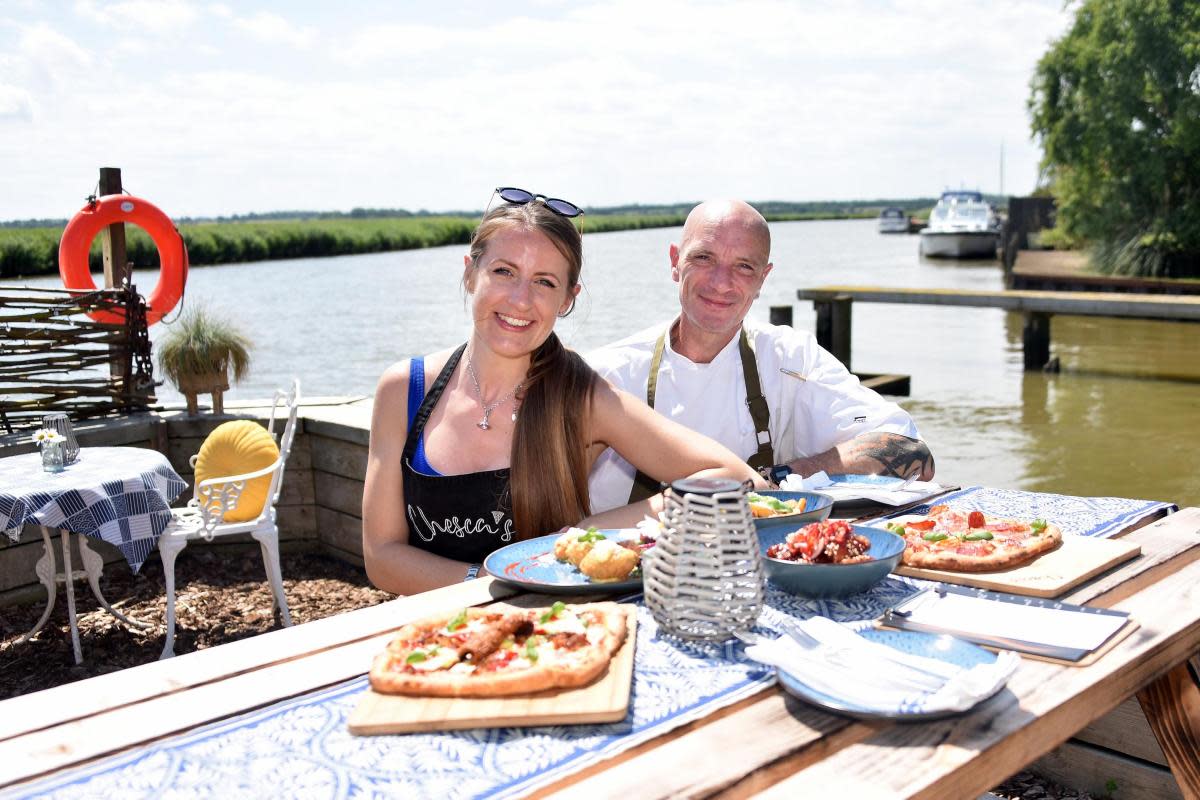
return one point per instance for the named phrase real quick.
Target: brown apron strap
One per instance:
(643, 485)
(760, 413)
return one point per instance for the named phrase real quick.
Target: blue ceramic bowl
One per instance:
(832, 580)
(816, 509)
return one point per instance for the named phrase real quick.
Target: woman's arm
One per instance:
(392, 564)
(659, 447)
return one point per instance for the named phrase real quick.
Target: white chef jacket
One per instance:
(807, 416)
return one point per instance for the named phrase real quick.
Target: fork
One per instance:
(932, 676)
(826, 673)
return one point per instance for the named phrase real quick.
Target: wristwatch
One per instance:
(777, 473)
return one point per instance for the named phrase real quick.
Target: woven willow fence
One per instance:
(53, 357)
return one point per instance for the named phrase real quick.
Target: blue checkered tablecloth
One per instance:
(120, 495)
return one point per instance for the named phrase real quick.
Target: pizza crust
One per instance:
(576, 668)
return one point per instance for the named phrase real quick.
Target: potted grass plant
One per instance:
(199, 353)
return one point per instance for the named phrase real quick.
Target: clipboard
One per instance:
(921, 611)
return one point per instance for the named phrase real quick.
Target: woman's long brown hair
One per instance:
(548, 468)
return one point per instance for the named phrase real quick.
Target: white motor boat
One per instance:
(893, 220)
(962, 225)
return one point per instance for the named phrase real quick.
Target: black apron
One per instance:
(463, 517)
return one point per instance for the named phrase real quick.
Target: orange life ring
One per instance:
(95, 216)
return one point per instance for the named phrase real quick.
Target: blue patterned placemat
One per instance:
(301, 746)
(1101, 517)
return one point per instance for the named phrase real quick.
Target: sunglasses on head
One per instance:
(511, 194)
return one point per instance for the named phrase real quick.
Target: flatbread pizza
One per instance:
(971, 541)
(474, 652)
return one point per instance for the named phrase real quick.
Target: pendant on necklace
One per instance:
(483, 424)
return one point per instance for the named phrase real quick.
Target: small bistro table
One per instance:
(120, 495)
(272, 710)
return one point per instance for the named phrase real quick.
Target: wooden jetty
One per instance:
(1067, 270)
(833, 307)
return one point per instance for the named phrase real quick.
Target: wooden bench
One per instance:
(832, 304)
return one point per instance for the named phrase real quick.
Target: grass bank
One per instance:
(34, 250)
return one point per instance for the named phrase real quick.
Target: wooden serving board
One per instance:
(604, 700)
(1049, 575)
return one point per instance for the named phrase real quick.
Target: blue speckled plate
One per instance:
(850, 505)
(942, 647)
(531, 565)
(866, 481)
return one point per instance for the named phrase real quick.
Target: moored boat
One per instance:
(962, 225)
(893, 220)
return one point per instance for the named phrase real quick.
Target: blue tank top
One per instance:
(464, 517)
(416, 394)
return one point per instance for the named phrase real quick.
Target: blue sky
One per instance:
(224, 108)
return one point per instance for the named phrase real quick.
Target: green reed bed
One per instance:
(34, 251)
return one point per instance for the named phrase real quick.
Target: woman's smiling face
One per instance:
(518, 288)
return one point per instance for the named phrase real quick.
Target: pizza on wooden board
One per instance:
(971, 541)
(475, 652)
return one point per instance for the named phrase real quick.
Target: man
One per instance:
(769, 393)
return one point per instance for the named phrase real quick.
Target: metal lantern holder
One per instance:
(704, 578)
(60, 423)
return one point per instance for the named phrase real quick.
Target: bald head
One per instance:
(720, 264)
(717, 214)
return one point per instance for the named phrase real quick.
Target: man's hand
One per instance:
(872, 454)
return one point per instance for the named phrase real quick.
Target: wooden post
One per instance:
(781, 315)
(112, 238)
(833, 327)
(116, 273)
(1036, 339)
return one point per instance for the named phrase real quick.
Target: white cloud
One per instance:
(274, 29)
(151, 16)
(16, 104)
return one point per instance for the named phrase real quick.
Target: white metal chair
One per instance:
(203, 517)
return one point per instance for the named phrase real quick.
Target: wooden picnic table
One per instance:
(765, 745)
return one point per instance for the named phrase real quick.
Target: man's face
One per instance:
(720, 265)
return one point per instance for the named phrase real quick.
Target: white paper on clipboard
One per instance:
(1021, 623)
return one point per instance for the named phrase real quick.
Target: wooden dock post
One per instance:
(1036, 340)
(833, 326)
(117, 273)
(781, 315)
(112, 238)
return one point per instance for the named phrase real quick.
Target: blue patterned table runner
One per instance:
(1101, 517)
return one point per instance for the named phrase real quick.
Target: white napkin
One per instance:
(856, 675)
(650, 528)
(820, 482)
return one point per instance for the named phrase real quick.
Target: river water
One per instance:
(1121, 418)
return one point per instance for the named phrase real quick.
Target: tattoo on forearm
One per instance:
(899, 455)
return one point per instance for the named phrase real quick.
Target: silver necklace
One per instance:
(483, 424)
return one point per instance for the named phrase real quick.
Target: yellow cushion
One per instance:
(235, 448)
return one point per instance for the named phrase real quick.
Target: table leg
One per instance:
(69, 573)
(1172, 707)
(45, 572)
(93, 565)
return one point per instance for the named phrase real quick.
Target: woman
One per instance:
(498, 447)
